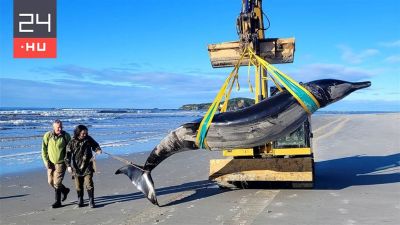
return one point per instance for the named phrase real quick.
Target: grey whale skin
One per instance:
(256, 125)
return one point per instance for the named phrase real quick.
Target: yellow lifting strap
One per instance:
(302, 95)
(208, 117)
(248, 74)
(226, 96)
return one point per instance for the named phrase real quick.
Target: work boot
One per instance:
(57, 204)
(64, 192)
(91, 198)
(80, 198)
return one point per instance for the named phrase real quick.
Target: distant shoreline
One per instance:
(130, 110)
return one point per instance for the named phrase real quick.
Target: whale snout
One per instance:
(360, 85)
(328, 91)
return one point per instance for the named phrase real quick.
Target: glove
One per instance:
(69, 169)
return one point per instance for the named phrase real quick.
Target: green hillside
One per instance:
(233, 104)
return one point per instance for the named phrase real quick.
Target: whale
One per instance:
(264, 122)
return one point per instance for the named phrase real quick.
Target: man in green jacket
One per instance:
(53, 153)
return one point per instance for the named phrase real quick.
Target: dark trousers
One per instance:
(86, 180)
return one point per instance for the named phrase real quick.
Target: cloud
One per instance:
(356, 58)
(192, 82)
(78, 86)
(330, 71)
(74, 93)
(68, 93)
(136, 65)
(393, 59)
(390, 44)
(112, 86)
(73, 70)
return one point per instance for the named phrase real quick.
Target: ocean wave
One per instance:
(20, 154)
(88, 111)
(47, 122)
(108, 133)
(22, 129)
(14, 122)
(138, 139)
(97, 133)
(128, 125)
(113, 111)
(19, 138)
(106, 144)
(115, 145)
(19, 112)
(20, 146)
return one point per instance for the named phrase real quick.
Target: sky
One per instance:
(153, 53)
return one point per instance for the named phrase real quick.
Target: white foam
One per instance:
(20, 154)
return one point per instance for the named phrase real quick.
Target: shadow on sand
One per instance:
(357, 170)
(202, 189)
(330, 174)
(13, 196)
(341, 173)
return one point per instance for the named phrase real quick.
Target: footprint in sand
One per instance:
(235, 208)
(158, 221)
(27, 214)
(276, 215)
(345, 201)
(243, 201)
(279, 204)
(350, 222)
(243, 222)
(343, 211)
(292, 196)
(334, 194)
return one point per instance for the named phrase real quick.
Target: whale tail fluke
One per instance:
(141, 179)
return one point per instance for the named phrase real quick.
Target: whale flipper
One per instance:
(141, 179)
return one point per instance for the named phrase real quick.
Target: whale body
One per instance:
(253, 126)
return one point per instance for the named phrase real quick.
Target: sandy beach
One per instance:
(357, 182)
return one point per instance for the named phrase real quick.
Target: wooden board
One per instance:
(270, 169)
(273, 50)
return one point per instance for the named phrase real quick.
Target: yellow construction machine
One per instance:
(289, 159)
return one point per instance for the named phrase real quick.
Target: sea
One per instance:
(118, 131)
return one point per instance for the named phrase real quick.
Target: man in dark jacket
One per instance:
(79, 160)
(53, 152)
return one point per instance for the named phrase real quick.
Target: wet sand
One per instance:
(357, 182)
